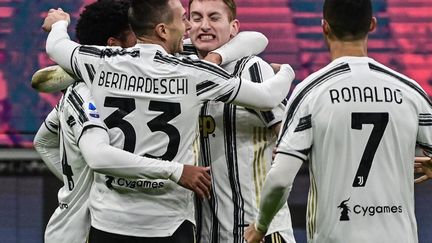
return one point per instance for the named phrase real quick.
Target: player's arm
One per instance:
(51, 79)
(274, 194)
(245, 43)
(59, 46)
(268, 94)
(47, 144)
(106, 159)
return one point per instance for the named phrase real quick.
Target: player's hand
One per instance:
(197, 179)
(252, 235)
(53, 16)
(214, 57)
(423, 165)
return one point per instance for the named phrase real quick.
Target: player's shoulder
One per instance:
(381, 68)
(249, 64)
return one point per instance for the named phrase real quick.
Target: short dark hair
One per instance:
(232, 8)
(101, 20)
(144, 15)
(348, 19)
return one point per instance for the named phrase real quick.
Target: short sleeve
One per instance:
(81, 112)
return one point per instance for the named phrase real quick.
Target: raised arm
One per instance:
(268, 94)
(59, 46)
(244, 44)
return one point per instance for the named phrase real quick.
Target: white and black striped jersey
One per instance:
(150, 101)
(75, 112)
(237, 144)
(357, 122)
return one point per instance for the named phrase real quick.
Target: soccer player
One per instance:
(150, 100)
(73, 140)
(357, 122)
(236, 142)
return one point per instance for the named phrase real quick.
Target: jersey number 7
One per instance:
(379, 122)
(160, 123)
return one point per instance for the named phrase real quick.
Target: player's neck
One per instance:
(149, 40)
(348, 48)
(202, 54)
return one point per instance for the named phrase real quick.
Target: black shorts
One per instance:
(185, 233)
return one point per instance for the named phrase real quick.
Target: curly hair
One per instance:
(101, 20)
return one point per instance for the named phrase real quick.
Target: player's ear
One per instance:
(113, 42)
(325, 27)
(235, 26)
(161, 31)
(373, 24)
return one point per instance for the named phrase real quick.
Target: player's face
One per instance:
(211, 27)
(177, 28)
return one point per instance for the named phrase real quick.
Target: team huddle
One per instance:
(160, 139)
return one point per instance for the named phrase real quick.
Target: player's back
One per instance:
(364, 122)
(150, 101)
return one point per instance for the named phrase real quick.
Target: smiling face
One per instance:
(211, 26)
(177, 28)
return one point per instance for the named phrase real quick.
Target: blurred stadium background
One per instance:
(402, 41)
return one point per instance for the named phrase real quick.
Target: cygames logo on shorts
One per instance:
(365, 211)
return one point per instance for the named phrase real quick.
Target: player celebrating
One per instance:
(236, 142)
(150, 100)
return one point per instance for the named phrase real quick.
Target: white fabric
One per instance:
(47, 144)
(71, 220)
(242, 44)
(330, 118)
(103, 158)
(160, 89)
(237, 144)
(276, 189)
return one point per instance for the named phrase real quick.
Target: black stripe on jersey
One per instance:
(88, 127)
(74, 65)
(77, 103)
(205, 86)
(304, 123)
(90, 71)
(233, 171)
(90, 51)
(291, 154)
(335, 71)
(425, 146)
(240, 65)
(52, 127)
(225, 96)
(425, 119)
(256, 76)
(196, 64)
(188, 49)
(206, 161)
(403, 80)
